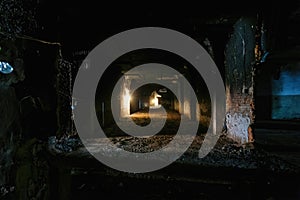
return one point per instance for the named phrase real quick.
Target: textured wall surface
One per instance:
(286, 93)
(240, 60)
(278, 91)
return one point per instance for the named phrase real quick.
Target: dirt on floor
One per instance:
(230, 170)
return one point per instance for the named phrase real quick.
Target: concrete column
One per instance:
(214, 113)
(194, 107)
(125, 98)
(186, 101)
(180, 96)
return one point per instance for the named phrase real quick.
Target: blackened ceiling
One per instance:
(79, 25)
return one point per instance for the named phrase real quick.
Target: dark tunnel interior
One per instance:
(214, 114)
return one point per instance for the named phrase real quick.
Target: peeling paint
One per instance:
(237, 126)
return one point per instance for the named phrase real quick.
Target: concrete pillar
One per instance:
(125, 98)
(194, 107)
(180, 96)
(186, 101)
(214, 113)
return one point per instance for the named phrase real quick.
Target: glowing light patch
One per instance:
(126, 101)
(154, 100)
(5, 68)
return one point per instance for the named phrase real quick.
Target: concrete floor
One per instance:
(229, 171)
(279, 138)
(280, 141)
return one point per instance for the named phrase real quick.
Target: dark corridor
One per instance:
(253, 152)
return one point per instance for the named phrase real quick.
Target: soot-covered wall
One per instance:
(239, 62)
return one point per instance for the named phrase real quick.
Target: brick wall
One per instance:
(239, 62)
